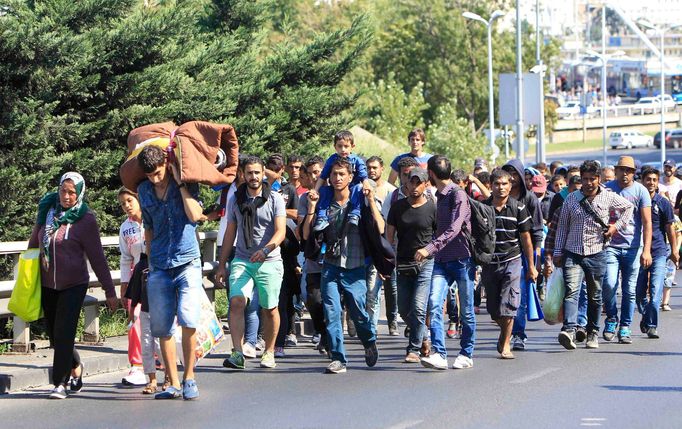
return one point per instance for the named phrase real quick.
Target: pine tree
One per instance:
(76, 77)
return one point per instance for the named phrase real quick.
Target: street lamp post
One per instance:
(540, 144)
(519, 86)
(491, 103)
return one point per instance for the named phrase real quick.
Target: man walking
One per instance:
(170, 211)
(582, 234)
(258, 219)
(650, 281)
(343, 268)
(629, 248)
(502, 277)
(453, 267)
(413, 220)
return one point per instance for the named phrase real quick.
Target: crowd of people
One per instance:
(326, 236)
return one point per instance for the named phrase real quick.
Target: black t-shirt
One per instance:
(415, 226)
(288, 192)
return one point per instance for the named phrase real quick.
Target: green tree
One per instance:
(76, 77)
(455, 138)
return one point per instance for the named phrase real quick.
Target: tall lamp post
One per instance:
(661, 31)
(540, 143)
(604, 60)
(491, 103)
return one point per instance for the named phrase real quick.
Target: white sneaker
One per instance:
(291, 340)
(260, 344)
(248, 350)
(58, 392)
(463, 362)
(135, 377)
(434, 361)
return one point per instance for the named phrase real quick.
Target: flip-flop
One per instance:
(150, 389)
(507, 355)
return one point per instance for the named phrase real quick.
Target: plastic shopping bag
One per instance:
(534, 312)
(553, 306)
(208, 335)
(25, 299)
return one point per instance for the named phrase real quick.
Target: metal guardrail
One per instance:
(95, 295)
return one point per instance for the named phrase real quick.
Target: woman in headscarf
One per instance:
(66, 232)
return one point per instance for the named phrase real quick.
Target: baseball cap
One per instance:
(538, 183)
(419, 173)
(574, 180)
(669, 163)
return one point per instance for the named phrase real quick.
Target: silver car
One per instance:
(630, 139)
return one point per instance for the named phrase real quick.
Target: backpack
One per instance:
(481, 238)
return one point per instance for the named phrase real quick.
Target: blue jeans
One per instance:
(582, 305)
(413, 296)
(174, 291)
(337, 281)
(446, 275)
(372, 299)
(652, 279)
(592, 267)
(625, 262)
(326, 195)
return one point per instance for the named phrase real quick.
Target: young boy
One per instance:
(343, 144)
(417, 139)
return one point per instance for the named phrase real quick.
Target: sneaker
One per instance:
(189, 390)
(268, 360)
(609, 329)
(652, 333)
(566, 339)
(316, 339)
(435, 361)
(321, 348)
(235, 361)
(411, 357)
(371, 355)
(666, 307)
(393, 329)
(320, 224)
(76, 383)
(336, 367)
(171, 392)
(624, 335)
(452, 330)
(592, 340)
(59, 392)
(406, 333)
(463, 362)
(260, 344)
(518, 343)
(135, 377)
(290, 341)
(279, 352)
(580, 334)
(249, 350)
(643, 326)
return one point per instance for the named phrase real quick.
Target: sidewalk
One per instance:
(24, 371)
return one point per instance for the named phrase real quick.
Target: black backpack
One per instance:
(482, 235)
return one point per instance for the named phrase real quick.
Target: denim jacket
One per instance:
(174, 242)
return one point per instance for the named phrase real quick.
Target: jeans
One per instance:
(625, 262)
(372, 301)
(446, 275)
(391, 298)
(650, 290)
(451, 306)
(350, 283)
(593, 267)
(582, 305)
(413, 296)
(519, 328)
(314, 304)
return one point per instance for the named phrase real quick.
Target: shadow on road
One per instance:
(645, 388)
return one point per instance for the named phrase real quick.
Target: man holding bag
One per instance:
(582, 235)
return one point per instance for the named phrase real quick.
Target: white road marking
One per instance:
(535, 376)
(591, 421)
(406, 425)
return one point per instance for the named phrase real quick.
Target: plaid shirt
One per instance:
(352, 254)
(578, 232)
(453, 212)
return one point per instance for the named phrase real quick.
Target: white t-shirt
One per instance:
(131, 243)
(223, 220)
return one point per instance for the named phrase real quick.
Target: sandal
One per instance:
(166, 383)
(507, 355)
(150, 389)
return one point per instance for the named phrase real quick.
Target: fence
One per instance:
(95, 296)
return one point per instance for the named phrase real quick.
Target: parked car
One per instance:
(569, 110)
(646, 105)
(668, 101)
(673, 138)
(630, 139)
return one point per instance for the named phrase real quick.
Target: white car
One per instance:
(668, 101)
(646, 105)
(572, 110)
(630, 139)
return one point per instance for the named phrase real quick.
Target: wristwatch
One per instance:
(266, 250)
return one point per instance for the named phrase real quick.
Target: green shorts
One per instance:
(266, 277)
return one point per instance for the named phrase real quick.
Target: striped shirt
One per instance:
(578, 232)
(452, 211)
(510, 222)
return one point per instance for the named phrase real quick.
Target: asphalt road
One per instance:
(644, 155)
(617, 386)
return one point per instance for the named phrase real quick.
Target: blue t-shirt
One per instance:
(422, 160)
(661, 216)
(174, 242)
(359, 168)
(637, 194)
